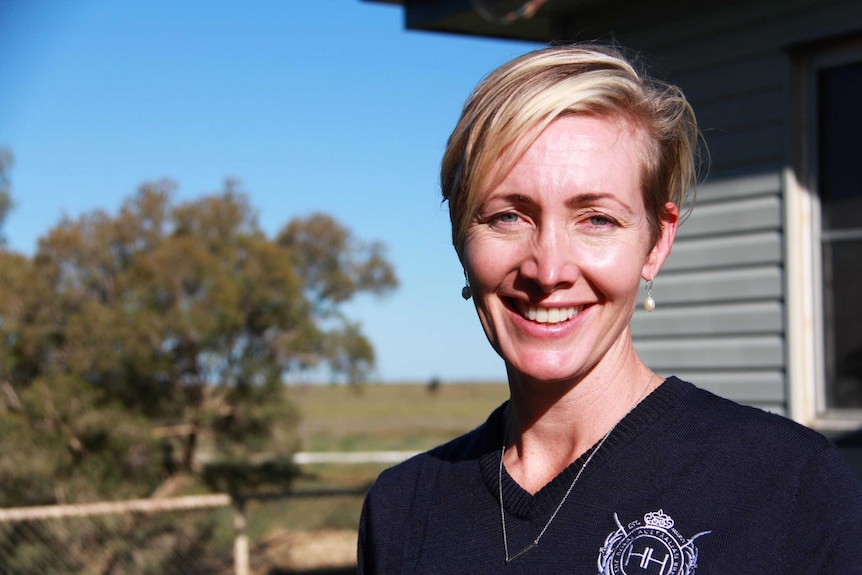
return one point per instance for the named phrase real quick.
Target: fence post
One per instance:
(240, 544)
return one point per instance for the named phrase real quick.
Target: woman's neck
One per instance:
(550, 424)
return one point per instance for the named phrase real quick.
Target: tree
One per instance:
(333, 263)
(334, 266)
(169, 329)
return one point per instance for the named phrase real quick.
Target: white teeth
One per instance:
(549, 315)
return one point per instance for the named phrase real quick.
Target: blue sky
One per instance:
(324, 105)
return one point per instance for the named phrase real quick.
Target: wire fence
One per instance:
(183, 535)
(187, 535)
(199, 534)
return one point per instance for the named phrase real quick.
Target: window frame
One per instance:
(805, 348)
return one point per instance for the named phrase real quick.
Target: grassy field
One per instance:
(375, 418)
(336, 418)
(391, 417)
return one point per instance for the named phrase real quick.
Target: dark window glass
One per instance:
(840, 175)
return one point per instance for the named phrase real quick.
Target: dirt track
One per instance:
(331, 552)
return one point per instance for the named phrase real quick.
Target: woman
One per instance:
(564, 177)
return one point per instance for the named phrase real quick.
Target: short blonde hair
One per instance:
(514, 103)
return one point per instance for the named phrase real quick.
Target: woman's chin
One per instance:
(546, 367)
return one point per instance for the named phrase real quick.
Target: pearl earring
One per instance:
(649, 302)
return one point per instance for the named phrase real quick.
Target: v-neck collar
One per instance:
(521, 503)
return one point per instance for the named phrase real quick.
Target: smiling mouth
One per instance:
(548, 314)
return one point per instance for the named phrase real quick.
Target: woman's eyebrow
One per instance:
(514, 198)
(581, 200)
(574, 202)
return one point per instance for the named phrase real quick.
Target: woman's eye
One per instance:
(600, 221)
(508, 218)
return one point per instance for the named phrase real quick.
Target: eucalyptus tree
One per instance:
(156, 341)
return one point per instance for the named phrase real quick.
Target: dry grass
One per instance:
(391, 417)
(316, 535)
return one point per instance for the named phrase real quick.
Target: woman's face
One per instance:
(556, 252)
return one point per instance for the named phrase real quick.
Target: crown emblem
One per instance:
(658, 519)
(635, 544)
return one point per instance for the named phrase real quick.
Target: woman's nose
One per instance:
(550, 262)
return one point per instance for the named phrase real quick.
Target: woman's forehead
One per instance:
(582, 148)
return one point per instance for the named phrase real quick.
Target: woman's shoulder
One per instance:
(748, 428)
(769, 449)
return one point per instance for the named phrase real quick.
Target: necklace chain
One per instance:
(535, 541)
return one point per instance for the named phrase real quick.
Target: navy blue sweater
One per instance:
(687, 483)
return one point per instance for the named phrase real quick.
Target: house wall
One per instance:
(723, 319)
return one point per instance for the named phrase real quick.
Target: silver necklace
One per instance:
(535, 541)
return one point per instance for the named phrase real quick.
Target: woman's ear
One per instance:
(661, 250)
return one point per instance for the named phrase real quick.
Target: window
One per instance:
(839, 183)
(824, 227)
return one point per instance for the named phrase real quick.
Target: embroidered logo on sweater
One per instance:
(649, 547)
